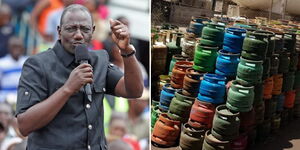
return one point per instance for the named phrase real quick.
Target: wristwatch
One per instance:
(131, 53)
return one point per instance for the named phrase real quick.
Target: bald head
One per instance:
(74, 8)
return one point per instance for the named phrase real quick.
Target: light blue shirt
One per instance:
(10, 72)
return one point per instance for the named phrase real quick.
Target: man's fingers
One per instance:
(87, 69)
(84, 66)
(121, 32)
(90, 81)
(117, 27)
(123, 35)
(117, 22)
(114, 23)
(88, 75)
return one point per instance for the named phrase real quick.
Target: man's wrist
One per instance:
(66, 90)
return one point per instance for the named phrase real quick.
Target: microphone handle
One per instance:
(88, 91)
(87, 87)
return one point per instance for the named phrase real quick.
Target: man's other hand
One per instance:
(120, 35)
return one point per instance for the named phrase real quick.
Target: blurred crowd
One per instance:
(28, 27)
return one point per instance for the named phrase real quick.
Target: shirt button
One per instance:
(89, 147)
(26, 93)
(88, 106)
(90, 127)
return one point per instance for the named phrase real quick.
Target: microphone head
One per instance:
(81, 53)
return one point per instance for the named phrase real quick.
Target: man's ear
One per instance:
(94, 27)
(58, 31)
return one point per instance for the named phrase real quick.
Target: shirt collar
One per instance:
(65, 57)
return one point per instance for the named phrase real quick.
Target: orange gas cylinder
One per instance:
(289, 99)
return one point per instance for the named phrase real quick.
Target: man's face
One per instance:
(118, 128)
(5, 15)
(5, 18)
(16, 48)
(77, 28)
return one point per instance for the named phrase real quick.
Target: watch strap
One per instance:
(129, 54)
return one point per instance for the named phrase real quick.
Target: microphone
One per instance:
(82, 57)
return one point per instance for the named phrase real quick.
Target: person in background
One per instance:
(117, 126)
(38, 22)
(3, 133)
(9, 135)
(101, 30)
(138, 119)
(112, 103)
(19, 8)
(118, 130)
(10, 70)
(52, 22)
(6, 116)
(119, 145)
(40, 14)
(131, 126)
(6, 28)
(103, 10)
(100, 7)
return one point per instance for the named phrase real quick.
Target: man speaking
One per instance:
(61, 90)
